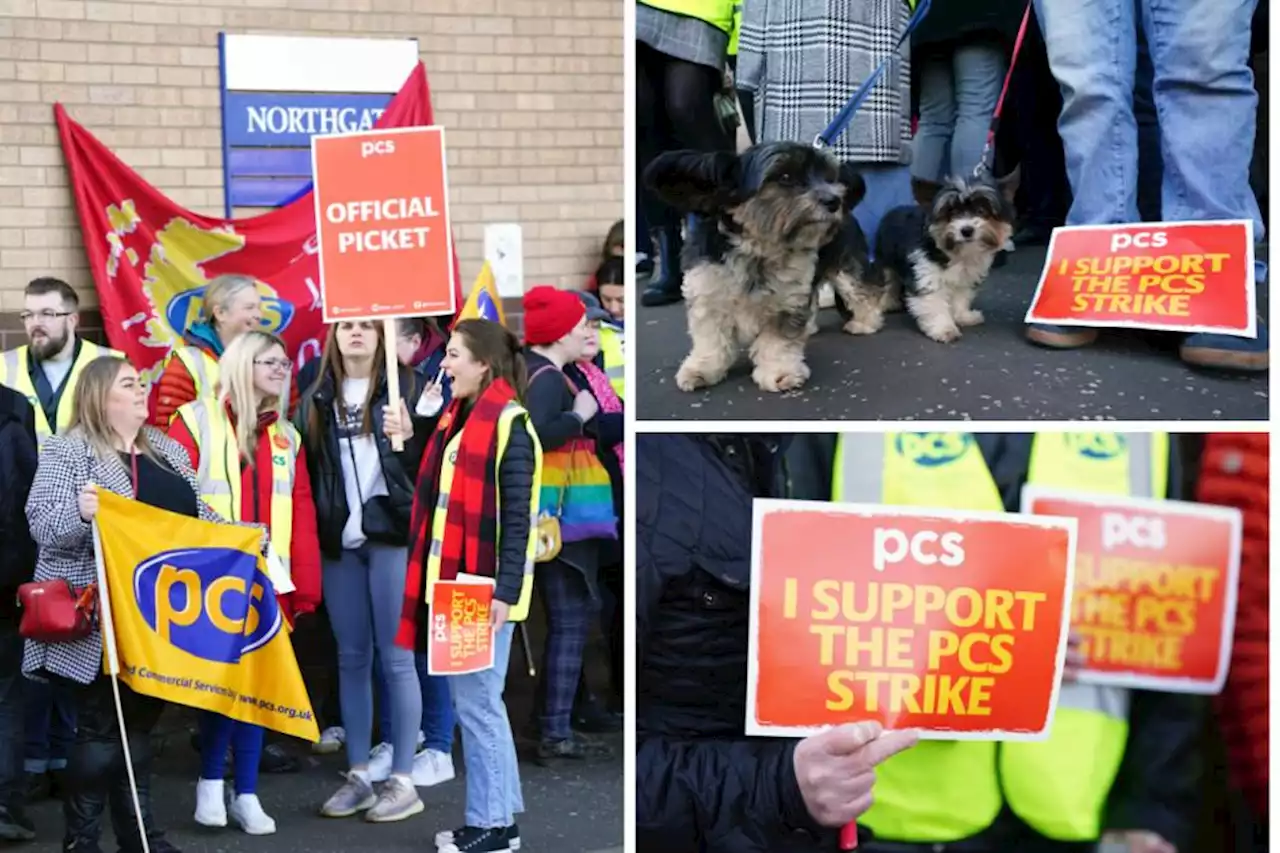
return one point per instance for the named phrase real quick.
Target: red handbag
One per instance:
(53, 612)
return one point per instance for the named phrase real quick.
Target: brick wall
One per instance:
(530, 90)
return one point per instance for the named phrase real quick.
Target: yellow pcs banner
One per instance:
(199, 624)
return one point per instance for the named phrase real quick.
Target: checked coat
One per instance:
(804, 59)
(65, 541)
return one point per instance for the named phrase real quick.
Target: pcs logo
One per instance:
(1099, 446)
(212, 603)
(932, 449)
(185, 308)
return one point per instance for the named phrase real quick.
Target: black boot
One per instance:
(664, 286)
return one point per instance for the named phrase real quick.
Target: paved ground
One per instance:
(573, 808)
(992, 373)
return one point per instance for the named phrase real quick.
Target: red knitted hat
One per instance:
(550, 314)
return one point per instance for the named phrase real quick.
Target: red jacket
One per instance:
(1234, 472)
(176, 387)
(255, 505)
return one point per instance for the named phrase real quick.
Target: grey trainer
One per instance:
(397, 800)
(353, 797)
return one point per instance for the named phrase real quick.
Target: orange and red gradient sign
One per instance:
(461, 634)
(954, 624)
(1170, 276)
(382, 222)
(1155, 588)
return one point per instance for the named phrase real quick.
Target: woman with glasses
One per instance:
(251, 468)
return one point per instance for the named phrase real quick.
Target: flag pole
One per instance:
(393, 374)
(113, 670)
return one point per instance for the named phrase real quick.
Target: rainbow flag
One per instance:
(483, 301)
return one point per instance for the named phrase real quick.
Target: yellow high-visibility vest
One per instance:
(520, 610)
(717, 13)
(736, 31)
(15, 371)
(204, 370)
(946, 791)
(220, 472)
(614, 358)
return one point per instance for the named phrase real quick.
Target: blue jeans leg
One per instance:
(437, 708)
(1144, 112)
(383, 698)
(930, 148)
(49, 715)
(888, 186)
(494, 797)
(346, 597)
(979, 73)
(1092, 47)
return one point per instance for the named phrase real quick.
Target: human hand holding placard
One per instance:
(836, 769)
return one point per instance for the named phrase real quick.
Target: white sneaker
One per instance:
(432, 767)
(331, 741)
(211, 803)
(380, 759)
(246, 810)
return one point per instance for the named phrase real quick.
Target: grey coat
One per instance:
(804, 59)
(65, 541)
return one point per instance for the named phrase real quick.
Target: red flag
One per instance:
(151, 259)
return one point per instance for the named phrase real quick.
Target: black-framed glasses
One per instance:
(44, 316)
(274, 363)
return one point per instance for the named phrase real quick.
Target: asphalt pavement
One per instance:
(574, 807)
(992, 373)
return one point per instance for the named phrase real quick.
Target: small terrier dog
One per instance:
(773, 223)
(936, 254)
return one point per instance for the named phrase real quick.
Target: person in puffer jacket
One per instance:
(1235, 471)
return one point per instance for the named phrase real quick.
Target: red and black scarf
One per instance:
(471, 523)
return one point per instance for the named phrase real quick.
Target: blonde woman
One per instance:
(232, 306)
(251, 468)
(106, 447)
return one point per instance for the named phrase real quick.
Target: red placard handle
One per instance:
(849, 836)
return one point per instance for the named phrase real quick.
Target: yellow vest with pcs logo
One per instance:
(946, 791)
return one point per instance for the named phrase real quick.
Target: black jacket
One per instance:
(18, 458)
(701, 784)
(324, 462)
(1158, 786)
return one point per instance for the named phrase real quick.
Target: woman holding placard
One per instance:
(473, 516)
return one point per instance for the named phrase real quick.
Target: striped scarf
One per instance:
(471, 515)
(603, 391)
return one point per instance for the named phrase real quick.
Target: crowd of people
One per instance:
(1103, 118)
(365, 500)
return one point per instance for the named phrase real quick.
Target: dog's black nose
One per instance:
(832, 203)
(966, 231)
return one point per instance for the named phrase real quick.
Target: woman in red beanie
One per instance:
(556, 334)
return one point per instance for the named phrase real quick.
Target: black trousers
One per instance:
(96, 774)
(12, 740)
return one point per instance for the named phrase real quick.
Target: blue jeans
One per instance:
(958, 93)
(50, 716)
(488, 748)
(437, 707)
(12, 687)
(888, 186)
(1204, 97)
(364, 594)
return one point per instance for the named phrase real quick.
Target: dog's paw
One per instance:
(690, 379)
(864, 327)
(943, 334)
(970, 318)
(773, 379)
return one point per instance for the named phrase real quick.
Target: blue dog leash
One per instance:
(841, 122)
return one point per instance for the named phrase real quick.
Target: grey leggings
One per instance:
(364, 594)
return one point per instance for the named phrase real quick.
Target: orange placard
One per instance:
(1171, 276)
(1155, 588)
(461, 636)
(382, 224)
(953, 623)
